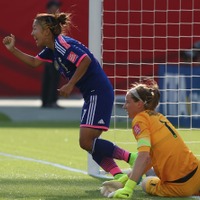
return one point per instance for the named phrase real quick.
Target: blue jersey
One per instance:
(94, 85)
(67, 56)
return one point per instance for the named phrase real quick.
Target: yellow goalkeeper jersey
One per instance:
(170, 157)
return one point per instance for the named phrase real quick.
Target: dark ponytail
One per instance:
(58, 23)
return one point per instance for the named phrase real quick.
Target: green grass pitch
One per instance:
(38, 159)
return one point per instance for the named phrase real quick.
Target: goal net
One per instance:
(158, 39)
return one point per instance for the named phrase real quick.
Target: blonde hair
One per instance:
(146, 91)
(58, 23)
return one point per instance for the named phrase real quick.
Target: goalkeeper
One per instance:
(159, 146)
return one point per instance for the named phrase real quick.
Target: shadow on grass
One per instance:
(49, 189)
(72, 188)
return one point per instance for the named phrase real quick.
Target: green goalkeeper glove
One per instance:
(124, 193)
(113, 185)
(122, 180)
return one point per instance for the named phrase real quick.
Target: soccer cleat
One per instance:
(132, 158)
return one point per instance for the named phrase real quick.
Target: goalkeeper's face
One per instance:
(132, 107)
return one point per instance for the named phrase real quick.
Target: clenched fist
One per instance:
(9, 42)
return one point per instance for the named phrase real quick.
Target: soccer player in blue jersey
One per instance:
(81, 69)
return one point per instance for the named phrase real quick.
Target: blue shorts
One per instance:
(97, 109)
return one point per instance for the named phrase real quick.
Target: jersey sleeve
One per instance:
(141, 132)
(75, 51)
(45, 55)
(75, 55)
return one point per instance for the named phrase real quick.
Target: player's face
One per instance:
(38, 34)
(132, 107)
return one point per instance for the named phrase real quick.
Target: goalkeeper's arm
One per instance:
(142, 163)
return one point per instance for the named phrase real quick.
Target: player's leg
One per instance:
(95, 119)
(87, 137)
(101, 150)
(152, 185)
(149, 184)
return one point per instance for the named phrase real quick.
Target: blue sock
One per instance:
(102, 148)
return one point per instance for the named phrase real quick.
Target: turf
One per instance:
(37, 160)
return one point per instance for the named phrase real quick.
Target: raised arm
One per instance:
(9, 42)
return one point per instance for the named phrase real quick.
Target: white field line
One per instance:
(192, 142)
(43, 162)
(54, 165)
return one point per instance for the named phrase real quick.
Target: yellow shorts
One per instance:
(190, 187)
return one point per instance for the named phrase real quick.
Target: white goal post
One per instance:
(95, 12)
(134, 39)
